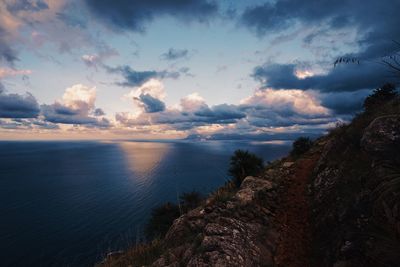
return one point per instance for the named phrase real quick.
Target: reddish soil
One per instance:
(294, 246)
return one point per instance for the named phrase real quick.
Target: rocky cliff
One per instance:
(336, 206)
(356, 197)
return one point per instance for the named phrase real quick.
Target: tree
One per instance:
(161, 220)
(244, 164)
(300, 146)
(380, 96)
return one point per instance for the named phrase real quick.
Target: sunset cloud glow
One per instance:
(146, 69)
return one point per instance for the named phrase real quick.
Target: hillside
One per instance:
(335, 205)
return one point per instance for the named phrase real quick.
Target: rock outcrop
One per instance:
(355, 224)
(237, 232)
(382, 136)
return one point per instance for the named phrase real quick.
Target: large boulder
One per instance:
(382, 136)
(250, 187)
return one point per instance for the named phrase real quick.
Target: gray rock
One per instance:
(382, 135)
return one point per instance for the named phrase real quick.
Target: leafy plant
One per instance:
(243, 164)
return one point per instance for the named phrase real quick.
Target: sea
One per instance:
(69, 203)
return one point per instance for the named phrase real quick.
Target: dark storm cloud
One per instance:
(150, 104)
(345, 102)
(18, 106)
(134, 14)
(174, 54)
(136, 78)
(375, 22)
(221, 113)
(342, 78)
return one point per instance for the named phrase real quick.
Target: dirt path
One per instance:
(294, 245)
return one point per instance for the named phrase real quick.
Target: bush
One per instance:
(380, 96)
(244, 164)
(161, 220)
(300, 146)
(191, 200)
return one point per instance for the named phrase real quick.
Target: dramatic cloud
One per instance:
(367, 26)
(300, 91)
(149, 97)
(26, 124)
(193, 102)
(265, 109)
(135, 78)
(76, 107)
(174, 54)
(17, 106)
(135, 14)
(341, 78)
(345, 103)
(17, 14)
(34, 24)
(151, 104)
(192, 112)
(376, 21)
(273, 108)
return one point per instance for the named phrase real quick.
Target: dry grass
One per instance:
(223, 194)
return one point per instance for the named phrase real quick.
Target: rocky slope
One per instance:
(356, 187)
(338, 205)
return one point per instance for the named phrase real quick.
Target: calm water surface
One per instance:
(69, 203)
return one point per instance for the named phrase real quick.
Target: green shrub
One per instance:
(300, 146)
(244, 164)
(161, 220)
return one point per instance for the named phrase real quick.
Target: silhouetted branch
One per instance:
(392, 61)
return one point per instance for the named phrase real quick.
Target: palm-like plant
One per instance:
(244, 163)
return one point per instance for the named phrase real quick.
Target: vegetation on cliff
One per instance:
(333, 202)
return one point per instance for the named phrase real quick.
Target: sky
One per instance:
(162, 69)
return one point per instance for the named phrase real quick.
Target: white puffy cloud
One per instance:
(153, 87)
(149, 97)
(285, 101)
(80, 97)
(193, 102)
(77, 106)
